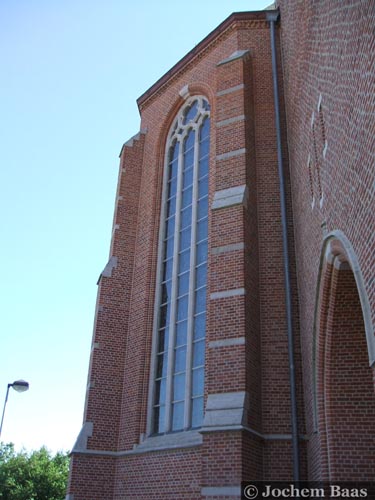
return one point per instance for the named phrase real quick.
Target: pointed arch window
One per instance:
(179, 353)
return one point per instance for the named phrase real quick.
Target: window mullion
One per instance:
(191, 306)
(172, 321)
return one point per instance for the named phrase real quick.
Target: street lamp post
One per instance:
(19, 386)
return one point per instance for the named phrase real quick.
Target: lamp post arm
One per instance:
(5, 403)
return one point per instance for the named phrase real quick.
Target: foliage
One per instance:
(35, 475)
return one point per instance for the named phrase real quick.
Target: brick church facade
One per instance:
(234, 330)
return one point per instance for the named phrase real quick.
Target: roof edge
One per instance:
(257, 15)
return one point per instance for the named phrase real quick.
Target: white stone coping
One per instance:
(225, 409)
(107, 271)
(231, 154)
(129, 143)
(171, 441)
(228, 248)
(229, 121)
(227, 342)
(224, 294)
(230, 90)
(224, 198)
(174, 440)
(238, 54)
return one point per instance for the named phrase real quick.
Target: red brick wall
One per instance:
(345, 392)
(113, 310)
(328, 50)
(230, 368)
(349, 393)
(318, 57)
(159, 475)
(91, 477)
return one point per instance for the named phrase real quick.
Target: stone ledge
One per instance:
(230, 90)
(238, 54)
(174, 440)
(107, 271)
(81, 443)
(224, 294)
(129, 143)
(214, 344)
(229, 121)
(228, 197)
(225, 409)
(228, 248)
(231, 154)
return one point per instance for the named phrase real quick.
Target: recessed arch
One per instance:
(336, 250)
(343, 346)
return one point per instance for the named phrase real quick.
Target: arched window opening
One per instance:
(181, 324)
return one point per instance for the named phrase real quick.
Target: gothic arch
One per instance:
(344, 400)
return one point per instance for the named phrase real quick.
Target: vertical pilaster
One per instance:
(232, 418)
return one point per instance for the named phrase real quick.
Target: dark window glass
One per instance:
(180, 360)
(199, 326)
(197, 412)
(189, 141)
(198, 381)
(166, 289)
(179, 387)
(181, 333)
(161, 369)
(164, 315)
(205, 129)
(183, 283)
(169, 227)
(201, 252)
(185, 237)
(188, 178)
(182, 308)
(203, 187)
(172, 187)
(167, 269)
(198, 353)
(173, 154)
(186, 217)
(159, 419)
(200, 300)
(187, 174)
(163, 340)
(201, 275)
(173, 170)
(204, 148)
(203, 167)
(202, 207)
(191, 112)
(171, 206)
(160, 391)
(202, 229)
(187, 196)
(184, 263)
(169, 245)
(178, 416)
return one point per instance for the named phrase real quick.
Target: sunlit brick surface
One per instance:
(326, 84)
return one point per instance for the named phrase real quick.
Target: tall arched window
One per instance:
(181, 323)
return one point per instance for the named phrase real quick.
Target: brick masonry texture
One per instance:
(326, 68)
(328, 51)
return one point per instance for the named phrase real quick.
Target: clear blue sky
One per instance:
(71, 71)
